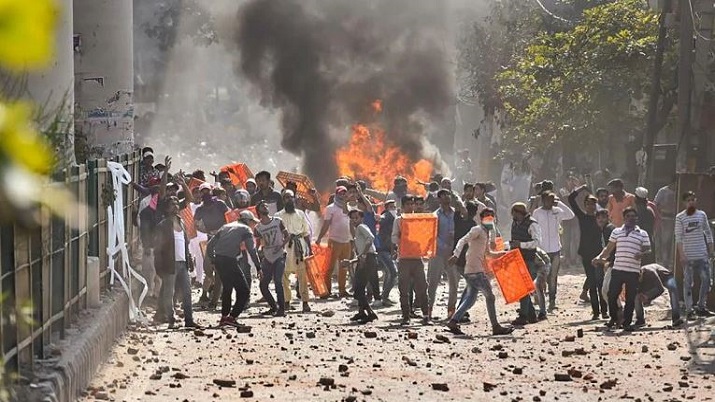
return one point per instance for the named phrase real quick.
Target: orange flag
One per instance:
(418, 236)
(318, 269)
(512, 275)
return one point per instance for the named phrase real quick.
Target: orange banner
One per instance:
(193, 183)
(233, 215)
(304, 184)
(418, 236)
(512, 275)
(188, 217)
(239, 173)
(318, 270)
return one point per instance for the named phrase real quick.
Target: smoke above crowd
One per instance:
(323, 63)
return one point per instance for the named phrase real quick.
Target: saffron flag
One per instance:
(188, 217)
(418, 236)
(512, 275)
(318, 269)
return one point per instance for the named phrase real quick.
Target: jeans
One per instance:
(594, 279)
(412, 274)
(366, 270)
(273, 271)
(618, 279)
(389, 270)
(554, 276)
(475, 283)
(672, 286)
(526, 307)
(702, 268)
(233, 278)
(436, 266)
(183, 286)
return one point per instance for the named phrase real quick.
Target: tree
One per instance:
(583, 84)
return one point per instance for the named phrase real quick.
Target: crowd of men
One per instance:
(274, 233)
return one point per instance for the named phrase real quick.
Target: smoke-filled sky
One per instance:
(321, 64)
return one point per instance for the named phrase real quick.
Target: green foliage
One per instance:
(580, 84)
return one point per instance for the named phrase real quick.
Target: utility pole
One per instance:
(651, 129)
(685, 80)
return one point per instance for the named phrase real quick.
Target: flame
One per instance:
(370, 157)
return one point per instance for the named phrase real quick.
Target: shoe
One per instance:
(453, 327)
(639, 323)
(499, 330)
(359, 316)
(192, 324)
(703, 312)
(584, 297)
(269, 312)
(306, 307)
(280, 313)
(520, 321)
(369, 318)
(678, 322)
(541, 317)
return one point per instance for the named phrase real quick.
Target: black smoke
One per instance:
(322, 63)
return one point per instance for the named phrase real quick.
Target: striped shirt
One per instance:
(627, 246)
(693, 232)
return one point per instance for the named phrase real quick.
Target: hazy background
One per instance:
(198, 101)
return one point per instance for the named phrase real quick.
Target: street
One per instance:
(323, 357)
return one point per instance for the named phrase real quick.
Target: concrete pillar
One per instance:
(51, 89)
(104, 76)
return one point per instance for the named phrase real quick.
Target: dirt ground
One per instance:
(324, 357)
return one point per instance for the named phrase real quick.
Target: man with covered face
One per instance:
(298, 248)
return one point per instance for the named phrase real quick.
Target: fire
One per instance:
(370, 157)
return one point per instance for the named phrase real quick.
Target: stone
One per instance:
(440, 387)
(562, 377)
(326, 381)
(224, 383)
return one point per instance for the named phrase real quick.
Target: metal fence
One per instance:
(45, 268)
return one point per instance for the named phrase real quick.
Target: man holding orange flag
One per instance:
(474, 274)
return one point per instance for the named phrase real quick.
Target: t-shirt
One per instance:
(627, 246)
(212, 214)
(339, 231)
(271, 235)
(273, 200)
(478, 240)
(693, 232)
(364, 236)
(179, 246)
(615, 208)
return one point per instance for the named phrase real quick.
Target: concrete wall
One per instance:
(104, 75)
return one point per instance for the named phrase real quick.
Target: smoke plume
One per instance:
(322, 63)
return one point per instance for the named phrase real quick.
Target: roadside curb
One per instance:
(88, 344)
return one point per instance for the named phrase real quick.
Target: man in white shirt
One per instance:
(336, 225)
(630, 244)
(549, 217)
(298, 247)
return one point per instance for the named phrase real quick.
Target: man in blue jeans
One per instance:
(694, 242)
(384, 251)
(525, 236)
(274, 237)
(476, 278)
(654, 279)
